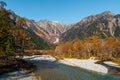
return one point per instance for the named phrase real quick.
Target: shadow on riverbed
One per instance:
(46, 64)
(111, 69)
(18, 75)
(43, 64)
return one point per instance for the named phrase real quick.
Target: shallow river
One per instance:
(54, 71)
(47, 70)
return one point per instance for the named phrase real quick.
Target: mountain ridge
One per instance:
(104, 24)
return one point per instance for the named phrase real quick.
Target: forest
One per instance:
(102, 49)
(13, 40)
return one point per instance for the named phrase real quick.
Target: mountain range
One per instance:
(105, 24)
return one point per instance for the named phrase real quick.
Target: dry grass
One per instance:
(116, 60)
(58, 57)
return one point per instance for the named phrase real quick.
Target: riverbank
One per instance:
(86, 64)
(106, 67)
(14, 64)
(112, 67)
(89, 64)
(49, 67)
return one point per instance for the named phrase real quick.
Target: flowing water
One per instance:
(54, 71)
(48, 70)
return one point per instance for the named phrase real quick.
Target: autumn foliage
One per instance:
(104, 49)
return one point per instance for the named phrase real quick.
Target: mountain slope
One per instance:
(38, 35)
(54, 29)
(52, 26)
(103, 25)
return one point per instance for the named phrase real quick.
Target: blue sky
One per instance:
(67, 11)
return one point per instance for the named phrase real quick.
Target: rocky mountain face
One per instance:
(54, 29)
(103, 25)
(30, 25)
(49, 31)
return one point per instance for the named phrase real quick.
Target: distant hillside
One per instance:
(54, 29)
(104, 25)
(37, 34)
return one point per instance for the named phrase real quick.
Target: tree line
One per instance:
(103, 49)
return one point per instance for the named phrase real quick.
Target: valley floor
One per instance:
(89, 64)
(85, 64)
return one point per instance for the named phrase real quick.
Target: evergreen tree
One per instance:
(2, 4)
